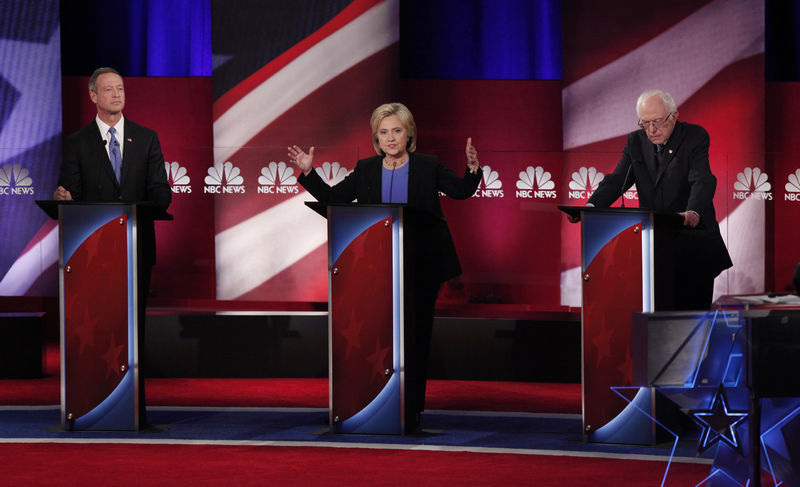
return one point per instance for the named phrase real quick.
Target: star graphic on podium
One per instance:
(718, 423)
(376, 360)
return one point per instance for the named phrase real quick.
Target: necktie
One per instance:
(114, 154)
(659, 155)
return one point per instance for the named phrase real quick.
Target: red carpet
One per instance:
(90, 464)
(138, 465)
(449, 395)
(452, 395)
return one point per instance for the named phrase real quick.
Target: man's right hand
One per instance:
(62, 194)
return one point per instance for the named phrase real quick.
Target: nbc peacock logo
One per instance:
(177, 177)
(331, 172)
(490, 185)
(584, 183)
(277, 178)
(792, 187)
(535, 182)
(752, 183)
(15, 180)
(224, 178)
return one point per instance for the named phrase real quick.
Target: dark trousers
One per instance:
(421, 303)
(693, 290)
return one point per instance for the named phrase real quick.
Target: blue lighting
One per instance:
(481, 39)
(719, 423)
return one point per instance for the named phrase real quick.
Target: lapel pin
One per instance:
(131, 140)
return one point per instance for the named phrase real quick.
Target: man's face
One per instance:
(657, 121)
(110, 96)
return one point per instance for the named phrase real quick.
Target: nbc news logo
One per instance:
(584, 183)
(223, 178)
(490, 184)
(177, 178)
(277, 178)
(752, 184)
(535, 182)
(14, 180)
(793, 187)
(331, 172)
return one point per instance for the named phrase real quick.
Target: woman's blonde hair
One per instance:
(387, 110)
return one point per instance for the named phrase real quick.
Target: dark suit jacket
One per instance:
(683, 182)
(87, 174)
(427, 176)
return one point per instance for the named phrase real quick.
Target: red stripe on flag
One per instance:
(232, 96)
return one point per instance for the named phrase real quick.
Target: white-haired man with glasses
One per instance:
(668, 162)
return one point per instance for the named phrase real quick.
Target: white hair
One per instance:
(669, 102)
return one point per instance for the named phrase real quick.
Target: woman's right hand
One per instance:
(304, 161)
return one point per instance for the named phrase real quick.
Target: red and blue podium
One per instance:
(99, 257)
(626, 267)
(366, 333)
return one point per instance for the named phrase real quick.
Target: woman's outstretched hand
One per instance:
(301, 159)
(472, 156)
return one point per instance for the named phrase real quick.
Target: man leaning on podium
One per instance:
(668, 162)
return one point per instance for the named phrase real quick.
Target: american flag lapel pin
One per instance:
(130, 140)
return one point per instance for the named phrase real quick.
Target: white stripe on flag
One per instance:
(681, 60)
(30, 265)
(368, 34)
(257, 249)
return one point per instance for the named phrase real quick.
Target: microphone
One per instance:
(623, 184)
(391, 181)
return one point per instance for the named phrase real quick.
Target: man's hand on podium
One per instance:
(62, 194)
(690, 219)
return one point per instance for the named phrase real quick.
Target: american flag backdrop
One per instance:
(30, 142)
(310, 72)
(332, 66)
(710, 56)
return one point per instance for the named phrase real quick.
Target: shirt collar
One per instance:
(119, 127)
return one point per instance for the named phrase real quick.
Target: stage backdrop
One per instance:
(310, 73)
(710, 56)
(30, 144)
(314, 81)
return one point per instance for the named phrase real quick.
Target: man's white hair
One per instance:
(669, 102)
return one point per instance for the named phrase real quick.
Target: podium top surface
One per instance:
(322, 208)
(576, 211)
(50, 207)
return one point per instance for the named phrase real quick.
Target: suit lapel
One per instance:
(414, 171)
(127, 152)
(374, 176)
(670, 148)
(649, 153)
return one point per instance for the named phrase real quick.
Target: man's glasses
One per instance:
(657, 124)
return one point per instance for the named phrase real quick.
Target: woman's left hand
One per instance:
(472, 156)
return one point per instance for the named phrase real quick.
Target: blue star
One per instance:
(718, 423)
(33, 69)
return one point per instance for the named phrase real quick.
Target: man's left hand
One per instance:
(690, 219)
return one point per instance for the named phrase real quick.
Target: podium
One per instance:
(626, 267)
(371, 372)
(100, 253)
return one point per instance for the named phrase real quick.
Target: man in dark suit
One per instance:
(114, 159)
(668, 162)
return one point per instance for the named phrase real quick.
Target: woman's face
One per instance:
(392, 136)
